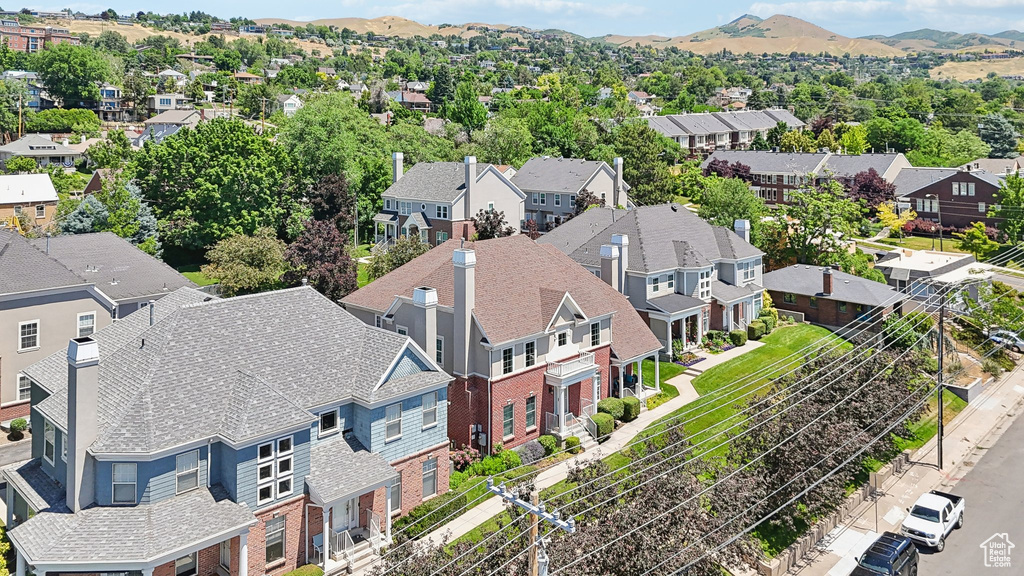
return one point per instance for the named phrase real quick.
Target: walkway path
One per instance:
(623, 436)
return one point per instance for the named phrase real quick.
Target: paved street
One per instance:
(995, 504)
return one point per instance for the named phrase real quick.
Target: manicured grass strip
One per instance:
(193, 273)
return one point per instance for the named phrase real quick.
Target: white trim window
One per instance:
(86, 323)
(393, 422)
(124, 482)
(439, 352)
(595, 334)
(508, 422)
(187, 565)
(275, 541)
(49, 441)
(543, 199)
(24, 388)
(506, 361)
(28, 335)
(441, 211)
(429, 477)
(531, 353)
(655, 283)
(64, 447)
(981, 207)
(376, 320)
(536, 199)
(572, 200)
(558, 199)
(563, 338)
(274, 469)
(396, 496)
(330, 423)
(705, 285)
(430, 410)
(186, 471)
(440, 237)
(531, 412)
(40, 211)
(402, 330)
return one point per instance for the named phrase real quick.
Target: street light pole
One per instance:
(938, 210)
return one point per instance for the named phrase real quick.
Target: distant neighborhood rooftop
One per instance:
(26, 189)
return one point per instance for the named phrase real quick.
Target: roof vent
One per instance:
(675, 208)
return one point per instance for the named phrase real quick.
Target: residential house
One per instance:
(111, 108)
(639, 98)
(438, 200)
(31, 194)
(417, 86)
(832, 298)
(173, 77)
(279, 428)
(777, 174)
(42, 149)
(31, 38)
(158, 103)
(289, 104)
(954, 197)
(532, 339)
(997, 166)
(922, 273)
(44, 304)
(705, 132)
(552, 184)
(247, 78)
(683, 275)
(166, 123)
(415, 101)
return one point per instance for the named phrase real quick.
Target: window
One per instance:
(430, 410)
(404, 208)
(402, 330)
(64, 447)
(572, 200)
(24, 387)
(506, 361)
(387, 204)
(429, 477)
(490, 206)
(440, 237)
(789, 298)
(274, 469)
(86, 324)
(393, 422)
(28, 333)
(705, 285)
(439, 353)
(842, 307)
(970, 188)
(814, 302)
(166, 102)
(563, 337)
(225, 555)
(376, 320)
(17, 209)
(275, 539)
(187, 471)
(531, 412)
(328, 422)
(543, 199)
(186, 565)
(125, 477)
(40, 211)
(507, 420)
(558, 199)
(396, 495)
(48, 441)
(531, 354)
(671, 281)
(595, 333)
(655, 283)
(981, 207)
(536, 198)
(441, 211)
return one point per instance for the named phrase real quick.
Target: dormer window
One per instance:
(125, 481)
(186, 472)
(329, 422)
(563, 338)
(595, 333)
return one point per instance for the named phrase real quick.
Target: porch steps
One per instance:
(587, 441)
(362, 557)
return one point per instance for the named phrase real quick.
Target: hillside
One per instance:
(928, 39)
(978, 70)
(402, 27)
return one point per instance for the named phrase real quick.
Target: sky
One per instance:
(637, 17)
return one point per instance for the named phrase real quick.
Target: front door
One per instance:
(351, 519)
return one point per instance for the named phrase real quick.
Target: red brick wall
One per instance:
(827, 311)
(294, 542)
(15, 411)
(411, 471)
(207, 559)
(467, 405)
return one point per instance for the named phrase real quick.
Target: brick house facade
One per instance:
(832, 298)
(962, 196)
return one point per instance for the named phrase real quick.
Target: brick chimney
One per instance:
(83, 388)
(617, 191)
(826, 282)
(470, 164)
(396, 166)
(464, 261)
(610, 266)
(425, 298)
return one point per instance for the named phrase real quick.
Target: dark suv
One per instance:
(891, 555)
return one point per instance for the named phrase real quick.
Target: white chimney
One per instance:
(426, 299)
(396, 166)
(622, 242)
(617, 191)
(83, 388)
(465, 300)
(470, 178)
(64, 142)
(742, 228)
(610, 266)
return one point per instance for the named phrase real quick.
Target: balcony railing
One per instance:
(583, 361)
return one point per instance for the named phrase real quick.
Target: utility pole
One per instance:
(263, 115)
(538, 556)
(19, 115)
(942, 315)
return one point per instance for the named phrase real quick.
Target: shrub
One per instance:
(531, 452)
(988, 366)
(429, 513)
(464, 457)
(630, 409)
(738, 337)
(497, 448)
(605, 424)
(510, 459)
(307, 570)
(572, 444)
(612, 407)
(457, 479)
(678, 348)
(657, 400)
(19, 425)
(770, 322)
(755, 330)
(550, 444)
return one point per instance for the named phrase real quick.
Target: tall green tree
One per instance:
(975, 241)
(246, 264)
(466, 109)
(112, 152)
(405, 249)
(644, 168)
(726, 200)
(1008, 208)
(72, 74)
(825, 218)
(998, 133)
(506, 141)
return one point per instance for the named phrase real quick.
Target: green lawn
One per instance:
(923, 243)
(193, 273)
(361, 251)
(928, 426)
(667, 371)
(362, 277)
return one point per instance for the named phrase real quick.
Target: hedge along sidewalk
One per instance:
(493, 506)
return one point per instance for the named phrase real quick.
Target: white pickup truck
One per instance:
(932, 518)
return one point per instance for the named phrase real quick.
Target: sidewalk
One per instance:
(967, 437)
(493, 506)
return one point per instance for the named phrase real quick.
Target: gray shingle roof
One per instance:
(23, 268)
(807, 281)
(557, 175)
(661, 237)
(848, 166)
(35, 486)
(672, 303)
(798, 163)
(232, 367)
(728, 293)
(105, 257)
(433, 181)
(911, 180)
(676, 125)
(342, 466)
(130, 534)
(36, 145)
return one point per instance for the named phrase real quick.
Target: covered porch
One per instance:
(385, 229)
(678, 317)
(576, 384)
(737, 306)
(628, 378)
(348, 517)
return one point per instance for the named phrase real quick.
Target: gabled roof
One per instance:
(799, 163)
(233, 368)
(23, 268)
(118, 268)
(36, 145)
(911, 180)
(434, 181)
(661, 237)
(342, 466)
(519, 286)
(26, 189)
(559, 175)
(849, 165)
(183, 117)
(807, 281)
(703, 123)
